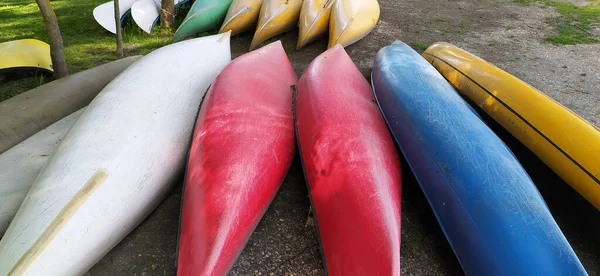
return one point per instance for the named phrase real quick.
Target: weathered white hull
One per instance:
(21, 164)
(116, 164)
(146, 13)
(105, 13)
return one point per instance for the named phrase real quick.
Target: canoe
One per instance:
(351, 166)
(24, 57)
(241, 16)
(242, 148)
(276, 17)
(567, 143)
(314, 21)
(146, 13)
(204, 15)
(21, 164)
(351, 20)
(27, 113)
(116, 164)
(105, 14)
(489, 209)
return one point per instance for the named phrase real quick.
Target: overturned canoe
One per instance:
(242, 148)
(489, 209)
(241, 16)
(204, 15)
(27, 113)
(351, 20)
(276, 17)
(21, 164)
(105, 14)
(146, 13)
(23, 58)
(351, 166)
(567, 143)
(314, 21)
(116, 164)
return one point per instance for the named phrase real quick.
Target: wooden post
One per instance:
(57, 52)
(118, 25)
(166, 13)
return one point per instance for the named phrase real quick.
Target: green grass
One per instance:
(86, 43)
(574, 23)
(420, 46)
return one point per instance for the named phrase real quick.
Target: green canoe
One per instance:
(203, 16)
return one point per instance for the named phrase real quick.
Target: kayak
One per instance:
(24, 57)
(489, 209)
(242, 148)
(116, 164)
(314, 21)
(276, 17)
(351, 166)
(241, 16)
(567, 143)
(22, 163)
(146, 13)
(351, 20)
(204, 15)
(105, 14)
(27, 113)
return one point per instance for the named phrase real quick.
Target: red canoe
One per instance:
(242, 148)
(352, 168)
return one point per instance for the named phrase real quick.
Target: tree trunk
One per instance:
(166, 13)
(118, 28)
(57, 52)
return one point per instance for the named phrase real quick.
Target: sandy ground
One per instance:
(502, 32)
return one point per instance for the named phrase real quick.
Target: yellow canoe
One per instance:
(351, 20)
(25, 56)
(241, 16)
(314, 20)
(567, 143)
(276, 17)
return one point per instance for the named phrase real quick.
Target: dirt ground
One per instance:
(504, 33)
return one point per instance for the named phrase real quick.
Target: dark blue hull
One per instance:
(489, 209)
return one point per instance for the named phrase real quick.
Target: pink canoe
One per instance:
(352, 168)
(242, 148)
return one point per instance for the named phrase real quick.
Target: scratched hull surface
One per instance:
(490, 211)
(116, 164)
(566, 142)
(352, 168)
(276, 17)
(351, 20)
(21, 164)
(27, 113)
(242, 148)
(314, 21)
(241, 16)
(204, 15)
(105, 14)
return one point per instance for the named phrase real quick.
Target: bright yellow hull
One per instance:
(241, 16)
(25, 53)
(314, 20)
(351, 20)
(276, 17)
(567, 143)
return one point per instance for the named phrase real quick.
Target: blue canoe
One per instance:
(489, 209)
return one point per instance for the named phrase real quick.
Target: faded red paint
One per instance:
(352, 168)
(242, 148)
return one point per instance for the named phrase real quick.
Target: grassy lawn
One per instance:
(86, 43)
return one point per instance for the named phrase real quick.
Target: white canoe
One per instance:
(146, 13)
(116, 164)
(21, 164)
(105, 14)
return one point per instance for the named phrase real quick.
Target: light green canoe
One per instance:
(203, 16)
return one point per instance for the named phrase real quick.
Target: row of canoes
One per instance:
(126, 150)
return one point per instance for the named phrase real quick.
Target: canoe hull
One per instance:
(314, 21)
(27, 113)
(241, 16)
(105, 14)
(352, 168)
(351, 20)
(242, 148)
(490, 211)
(24, 57)
(543, 125)
(204, 15)
(276, 17)
(116, 163)
(146, 13)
